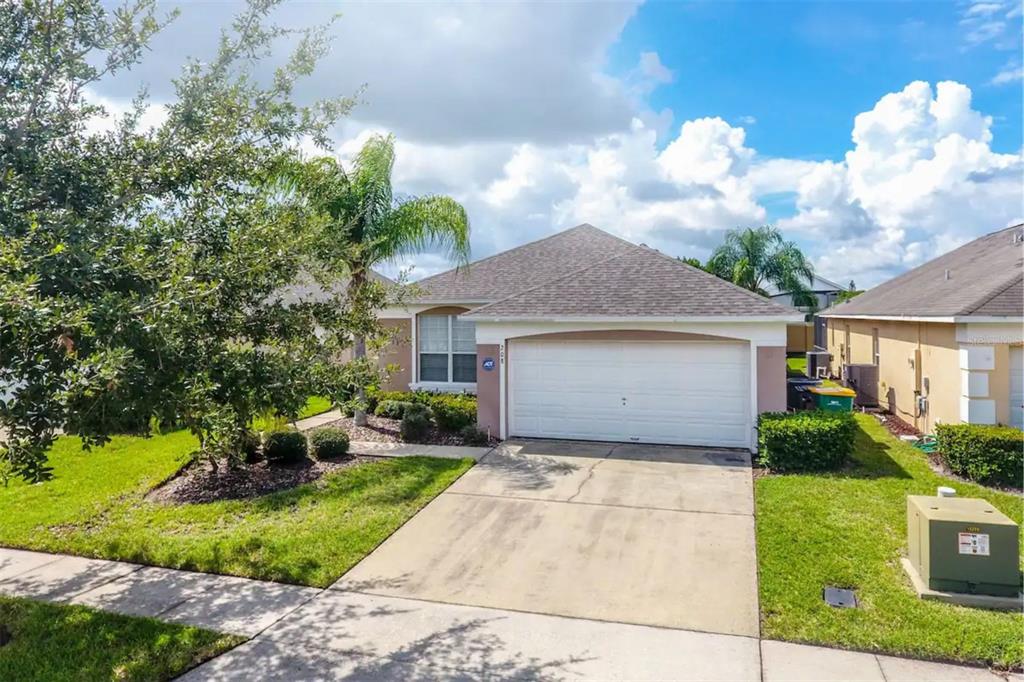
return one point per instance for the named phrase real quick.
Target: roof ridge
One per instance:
(556, 279)
(516, 248)
(1010, 281)
(705, 273)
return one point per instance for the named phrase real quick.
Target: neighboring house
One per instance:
(948, 332)
(826, 291)
(583, 335)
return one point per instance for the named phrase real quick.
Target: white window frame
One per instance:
(448, 385)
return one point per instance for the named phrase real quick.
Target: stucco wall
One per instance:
(771, 379)
(901, 371)
(799, 337)
(398, 352)
(488, 389)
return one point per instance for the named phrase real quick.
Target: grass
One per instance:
(308, 535)
(797, 367)
(848, 529)
(315, 405)
(55, 642)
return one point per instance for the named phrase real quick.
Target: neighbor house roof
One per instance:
(512, 271)
(305, 288)
(634, 282)
(983, 278)
(818, 284)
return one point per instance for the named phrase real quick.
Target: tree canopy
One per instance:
(755, 257)
(364, 224)
(142, 270)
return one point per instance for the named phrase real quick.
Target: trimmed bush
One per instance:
(396, 396)
(986, 454)
(471, 435)
(805, 441)
(415, 426)
(329, 442)
(285, 446)
(418, 409)
(251, 447)
(453, 411)
(392, 409)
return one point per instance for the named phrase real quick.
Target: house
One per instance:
(946, 336)
(583, 335)
(825, 291)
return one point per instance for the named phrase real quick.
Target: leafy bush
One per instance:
(396, 396)
(471, 435)
(805, 441)
(419, 409)
(415, 426)
(453, 411)
(285, 446)
(986, 454)
(251, 447)
(329, 442)
(392, 409)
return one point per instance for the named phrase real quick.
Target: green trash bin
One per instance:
(833, 398)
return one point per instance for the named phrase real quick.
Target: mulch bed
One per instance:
(384, 430)
(199, 482)
(896, 426)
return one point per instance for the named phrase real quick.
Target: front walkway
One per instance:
(545, 561)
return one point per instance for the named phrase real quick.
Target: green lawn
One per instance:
(309, 535)
(53, 642)
(848, 529)
(797, 367)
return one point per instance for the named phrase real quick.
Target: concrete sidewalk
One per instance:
(216, 602)
(306, 633)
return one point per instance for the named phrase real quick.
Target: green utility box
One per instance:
(959, 544)
(833, 398)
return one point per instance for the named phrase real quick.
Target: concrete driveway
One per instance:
(638, 534)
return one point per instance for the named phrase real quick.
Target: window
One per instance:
(447, 348)
(874, 345)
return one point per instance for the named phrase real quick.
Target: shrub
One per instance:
(986, 454)
(415, 426)
(392, 409)
(417, 408)
(805, 441)
(285, 446)
(452, 411)
(396, 396)
(329, 442)
(251, 447)
(471, 435)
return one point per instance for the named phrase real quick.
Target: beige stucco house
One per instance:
(586, 336)
(946, 336)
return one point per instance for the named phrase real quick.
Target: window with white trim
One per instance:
(447, 349)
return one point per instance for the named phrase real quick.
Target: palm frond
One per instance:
(420, 224)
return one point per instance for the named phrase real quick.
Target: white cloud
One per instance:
(1011, 73)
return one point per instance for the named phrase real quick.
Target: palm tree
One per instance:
(754, 257)
(366, 225)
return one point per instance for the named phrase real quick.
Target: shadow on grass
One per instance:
(871, 459)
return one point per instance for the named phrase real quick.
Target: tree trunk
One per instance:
(359, 345)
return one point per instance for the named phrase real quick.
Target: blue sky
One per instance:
(876, 135)
(804, 69)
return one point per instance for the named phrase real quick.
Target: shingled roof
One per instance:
(512, 271)
(983, 278)
(637, 282)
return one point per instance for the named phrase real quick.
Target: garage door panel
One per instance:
(685, 393)
(1017, 386)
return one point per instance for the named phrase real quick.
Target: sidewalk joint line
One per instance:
(597, 504)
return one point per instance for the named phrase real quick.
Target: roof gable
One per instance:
(508, 272)
(982, 278)
(639, 282)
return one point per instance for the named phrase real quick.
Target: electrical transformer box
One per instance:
(959, 544)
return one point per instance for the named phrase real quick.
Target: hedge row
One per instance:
(987, 454)
(452, 412)
(805, 441)
(289, 446)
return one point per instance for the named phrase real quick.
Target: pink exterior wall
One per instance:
(397, 352)
(488, 389)
(771, 379)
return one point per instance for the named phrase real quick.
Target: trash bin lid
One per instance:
(833, 390)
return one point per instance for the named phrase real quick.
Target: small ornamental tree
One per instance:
(142, 271)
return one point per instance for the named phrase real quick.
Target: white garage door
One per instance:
(694, 393)
(1017, 387)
